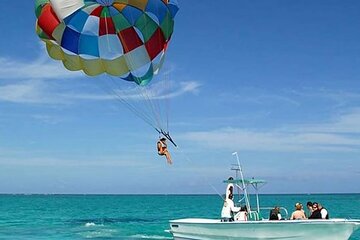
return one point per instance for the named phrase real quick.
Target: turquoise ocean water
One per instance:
(131, 216)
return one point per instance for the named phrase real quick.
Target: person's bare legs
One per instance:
(168, 157)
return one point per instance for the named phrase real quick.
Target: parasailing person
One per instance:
(163, 151)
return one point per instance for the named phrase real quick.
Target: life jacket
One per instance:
(274, 214)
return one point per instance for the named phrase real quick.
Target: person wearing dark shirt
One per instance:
(316, 214)
(275, 214)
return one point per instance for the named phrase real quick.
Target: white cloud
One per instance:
(177, 90)
(155, 91)
(41, 68)
(296, 98)
(259, 96)
(340, 97)
(347, 123)
(57, 162)
(342, 135)
(48, 119)
(31, 91)
(26, 82)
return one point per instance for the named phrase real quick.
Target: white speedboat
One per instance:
(257, 227)
(211, 229)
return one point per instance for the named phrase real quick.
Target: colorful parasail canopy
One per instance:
(126, 38)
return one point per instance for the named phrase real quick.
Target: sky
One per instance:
(277, 81)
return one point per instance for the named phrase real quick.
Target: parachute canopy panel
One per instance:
(118, 37)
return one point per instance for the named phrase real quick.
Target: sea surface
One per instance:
(132, 216)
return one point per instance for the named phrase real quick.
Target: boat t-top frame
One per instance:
(243, 184)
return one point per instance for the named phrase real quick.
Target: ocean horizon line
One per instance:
(163, 194)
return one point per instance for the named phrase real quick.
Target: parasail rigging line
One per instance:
(167, 135)
(117, 96)
(152, 104)
(188, 159)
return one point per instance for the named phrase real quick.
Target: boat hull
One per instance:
(207, 229)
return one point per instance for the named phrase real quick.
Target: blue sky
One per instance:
(276, 80)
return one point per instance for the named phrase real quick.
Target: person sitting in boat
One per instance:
(309, 207)
(275, 214)
(228, 209)
(316, 214)
(162, 150)
(324, 213)
(242, 215)
(299, 213)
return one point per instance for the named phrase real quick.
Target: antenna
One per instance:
(243, 181)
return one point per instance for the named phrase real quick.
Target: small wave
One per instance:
(140, 236)
(90, 224)
(113, 220)
(98, 233)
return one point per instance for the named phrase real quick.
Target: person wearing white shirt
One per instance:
(228, 209)
(324, 213)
